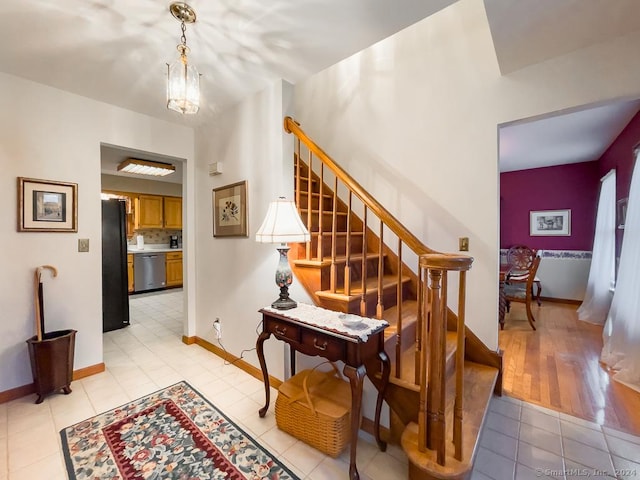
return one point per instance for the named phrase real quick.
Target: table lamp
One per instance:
(283, 225)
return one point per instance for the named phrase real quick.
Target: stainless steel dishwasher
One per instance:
(149, 271)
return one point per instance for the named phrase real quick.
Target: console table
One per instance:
(316, 331)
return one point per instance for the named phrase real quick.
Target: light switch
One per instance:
(83, 244)
(463, 244)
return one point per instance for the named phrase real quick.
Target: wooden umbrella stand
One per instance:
(51, 353)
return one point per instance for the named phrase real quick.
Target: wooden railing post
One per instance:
(436, 394)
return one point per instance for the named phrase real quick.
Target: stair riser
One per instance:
(327, 221)
(341, 246)
(389, 298)
(356, 271)
(327, 204)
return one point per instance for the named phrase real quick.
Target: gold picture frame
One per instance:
(47, 206)
(230, 218)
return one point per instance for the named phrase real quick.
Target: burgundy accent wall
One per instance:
(620, 156)
(574, 186)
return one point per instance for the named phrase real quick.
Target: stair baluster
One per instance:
(399, 313)
(334, 228)
(347, 263)
(298, 173)
(363, 302)
(380, 305)
(321, 214)
(460, 336)
(309, 204)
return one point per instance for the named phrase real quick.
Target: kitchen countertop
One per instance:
(152, 249)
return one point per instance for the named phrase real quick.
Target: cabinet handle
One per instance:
(281, 332)
(319, 347)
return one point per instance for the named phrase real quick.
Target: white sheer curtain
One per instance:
(597, 298)
(621, 332)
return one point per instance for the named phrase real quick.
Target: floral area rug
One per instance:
(174, 433)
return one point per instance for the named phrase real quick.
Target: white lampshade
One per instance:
(282, 224)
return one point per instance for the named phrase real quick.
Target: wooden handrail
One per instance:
(290, 126)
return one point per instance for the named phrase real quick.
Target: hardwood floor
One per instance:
(558, 367)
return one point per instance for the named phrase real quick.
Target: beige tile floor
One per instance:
(519, 441)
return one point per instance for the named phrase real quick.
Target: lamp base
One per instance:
(284, 302)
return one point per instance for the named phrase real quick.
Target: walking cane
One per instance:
(39, 298)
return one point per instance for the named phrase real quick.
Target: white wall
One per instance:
(236, 276)
(415, 117)
(50, 134)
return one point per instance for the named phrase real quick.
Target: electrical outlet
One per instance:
(217, 326)
(83, 244)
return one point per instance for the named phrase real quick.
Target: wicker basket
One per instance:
(315, 407)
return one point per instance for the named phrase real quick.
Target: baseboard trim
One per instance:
(237, 361)
(189, 340)
(24, 390)
(369, 426)
(88, 371)
(17, 392)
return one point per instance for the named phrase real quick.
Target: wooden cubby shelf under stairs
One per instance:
(362, 260)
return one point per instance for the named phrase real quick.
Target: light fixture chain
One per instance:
(183, 38)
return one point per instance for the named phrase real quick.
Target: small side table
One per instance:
(315, 331)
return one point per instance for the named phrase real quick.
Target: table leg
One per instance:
(265, 374)
(292, 360)
(386, 369)
(356, 378)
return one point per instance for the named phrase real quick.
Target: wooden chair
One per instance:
(520, 258)
(522, 292)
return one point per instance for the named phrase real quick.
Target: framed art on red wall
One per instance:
(550, 223)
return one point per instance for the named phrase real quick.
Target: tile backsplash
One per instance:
(155, 236)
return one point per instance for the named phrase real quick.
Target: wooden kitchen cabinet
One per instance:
(149, 211)
(173, 262)
(130, 272)
(173, 213)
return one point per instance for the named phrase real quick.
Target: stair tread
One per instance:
(317, 194)
(479, 382)
(356, 290)
(339, 259)
(338, 234)
(324, 211)
(409, 314)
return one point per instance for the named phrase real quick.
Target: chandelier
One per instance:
(183, 80)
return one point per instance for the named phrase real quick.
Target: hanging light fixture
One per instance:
(146, 167)
(183, 80)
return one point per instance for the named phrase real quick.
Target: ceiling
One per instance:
(116, 51)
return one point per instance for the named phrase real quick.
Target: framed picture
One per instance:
(47, 206)
(622, 211)
(550, 223)
(230, 210)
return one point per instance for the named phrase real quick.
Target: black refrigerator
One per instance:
(115, 297)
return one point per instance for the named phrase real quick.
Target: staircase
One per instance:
(362, 260)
